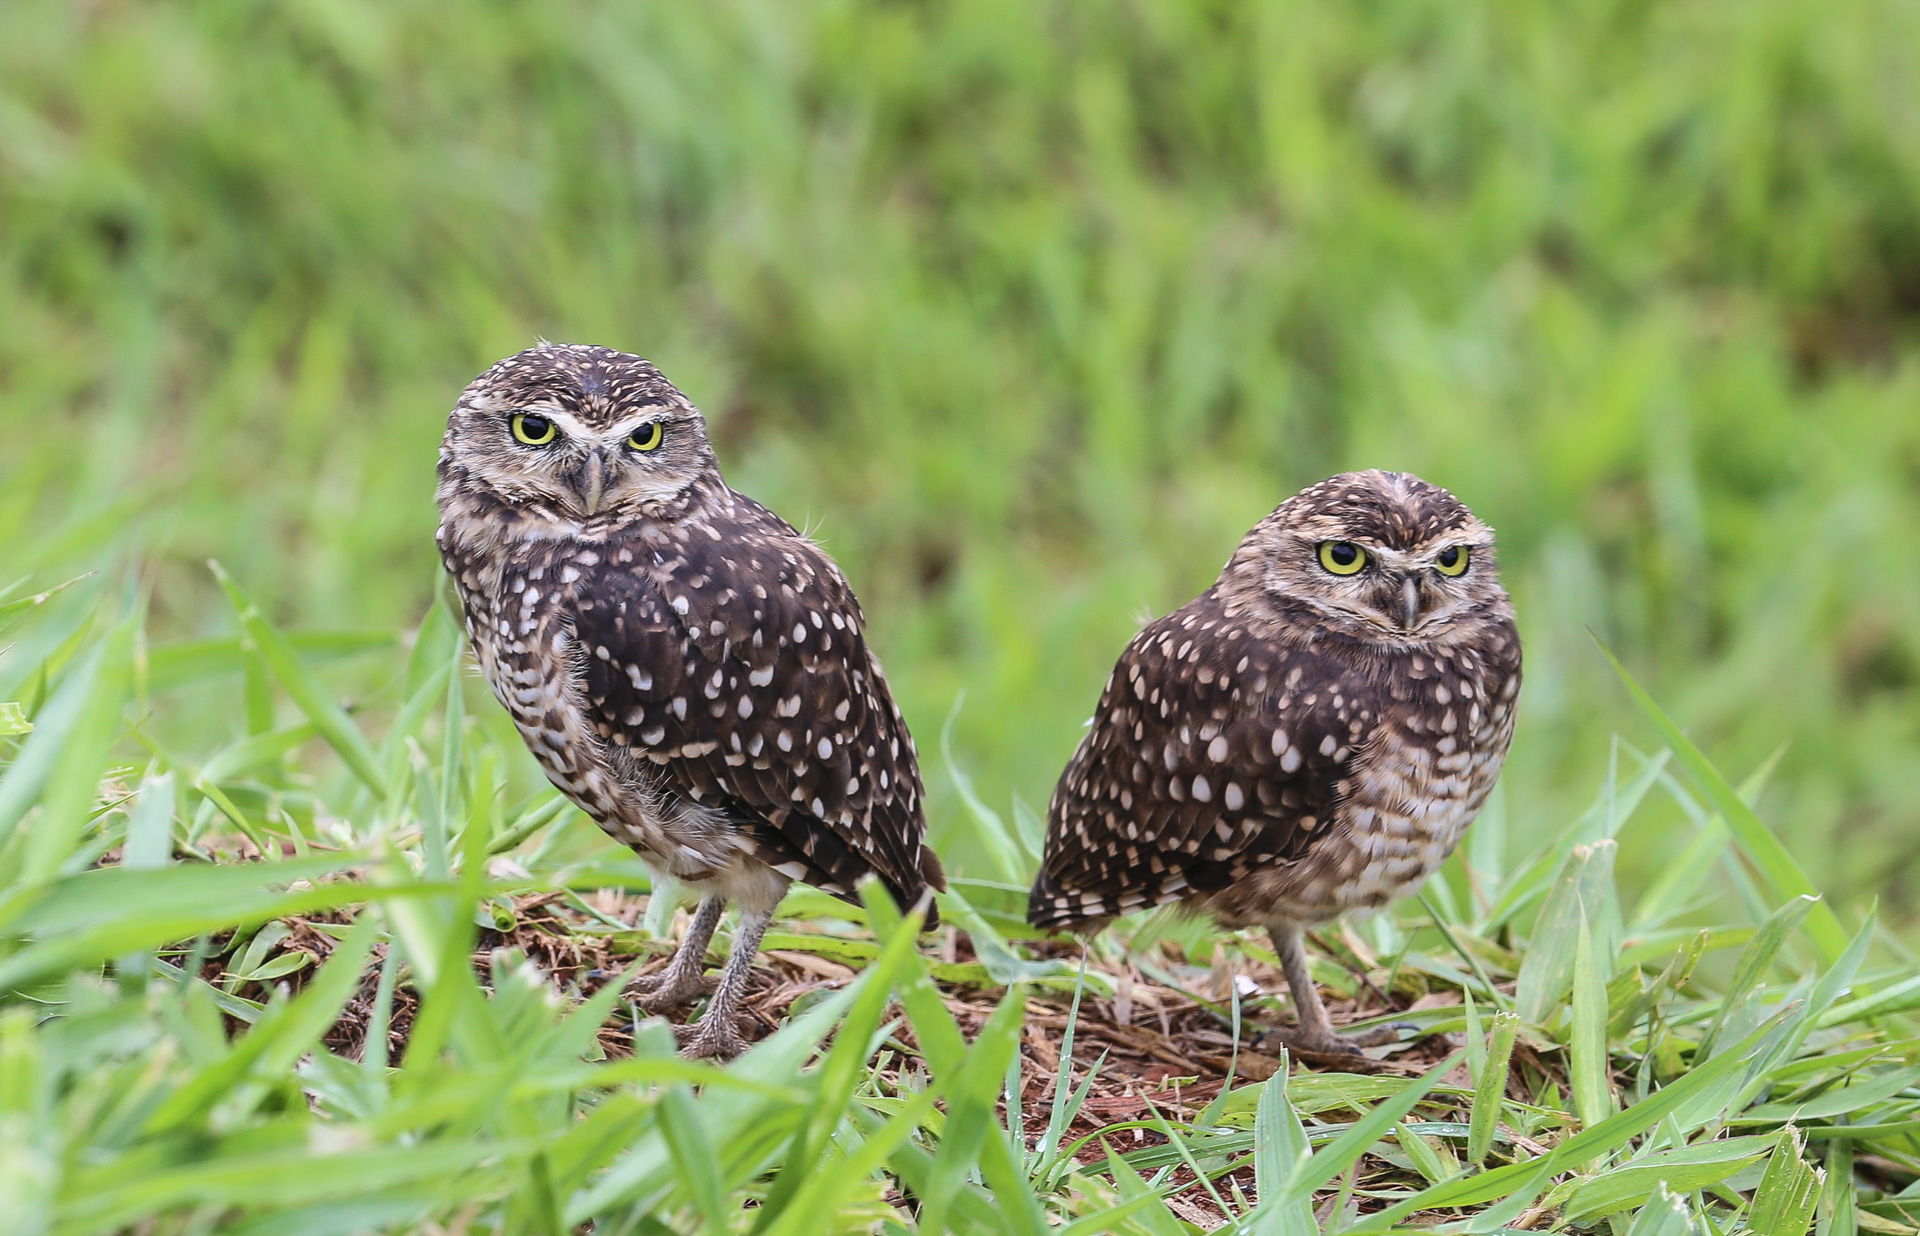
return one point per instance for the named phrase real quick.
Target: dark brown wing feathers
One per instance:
(733, 658)
(1209, 753)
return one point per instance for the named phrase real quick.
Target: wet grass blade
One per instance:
(1839, 1209)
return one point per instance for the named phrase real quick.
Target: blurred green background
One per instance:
(1028, 310)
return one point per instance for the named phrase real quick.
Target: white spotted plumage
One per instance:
(687, 667)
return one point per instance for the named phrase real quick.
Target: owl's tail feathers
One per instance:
(933, 878)
(1053, 906)
(931, 871)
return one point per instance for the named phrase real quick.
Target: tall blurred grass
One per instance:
(1030, 310)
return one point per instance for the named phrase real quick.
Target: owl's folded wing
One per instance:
(1209, 754)
(735, 661)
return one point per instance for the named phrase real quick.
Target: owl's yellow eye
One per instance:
(647, 437)
(533, 430)
(1452, 560)
(1342, 557)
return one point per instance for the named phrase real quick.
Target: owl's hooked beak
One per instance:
(593, 480)
(1409, 603)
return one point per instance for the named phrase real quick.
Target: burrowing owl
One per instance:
(1308, 736)
(686, 666)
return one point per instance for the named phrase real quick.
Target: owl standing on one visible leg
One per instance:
(1310, 735)
(687, 667)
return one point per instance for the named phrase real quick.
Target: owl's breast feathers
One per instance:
(1220, 756)
(725, 653)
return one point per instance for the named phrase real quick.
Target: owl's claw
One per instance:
(709, 1039)
(669, 989)
(1335, 1045)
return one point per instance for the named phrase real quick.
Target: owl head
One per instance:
(574, 433)
(1383, 557)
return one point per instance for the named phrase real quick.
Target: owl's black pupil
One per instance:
(1343, 554)
(534, 426)
(1448, 557)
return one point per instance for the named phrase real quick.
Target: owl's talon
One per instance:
(666, 990)
(1379, 1036)
(707, 1039)
(1335, 1045)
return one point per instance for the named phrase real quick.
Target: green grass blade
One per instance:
(1491, 1087)
(823, 1193)
(933, 1023)
(1895, 998)
(839, 1074)
(971, 1100)
(1789, 1190)
(1755, 960)
(13, 611)
(1602, 1139)
(1537, 873)
(278, 1177)
(307, 694)
(1421, 1154)
(1670, 891)
(286, 1033)
(1759, 844)
(1584, 888)
(1664, 1214)
(73, 780)
(1346, 1149)
(37, 962)
(192, 662)
(257, 750)
(1016, 865)
(1839, 1211)
(1064, 1099)
(694, 1155)
(1686, 1169)
(1588, 1061)
(1280, 1149)
(1839, 1101)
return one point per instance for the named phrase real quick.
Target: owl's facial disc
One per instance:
(544, 454)
(571, 434)
(1396, 592)
(635, 461)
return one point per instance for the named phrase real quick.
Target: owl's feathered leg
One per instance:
(714, 1034)
(1315, 1032)
(684, 978)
